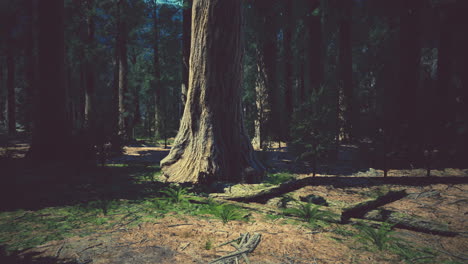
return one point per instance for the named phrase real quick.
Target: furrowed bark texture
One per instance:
(212, 144)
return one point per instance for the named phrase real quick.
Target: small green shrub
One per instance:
(380, 238)
(279, 178)
(175, 195)
(228, 213)
(310, 213)
(208, 244)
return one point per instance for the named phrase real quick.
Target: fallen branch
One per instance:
(246, 245)
(359, 210)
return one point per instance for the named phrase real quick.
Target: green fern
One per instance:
(175, 195)
(380, 238)
(228, 213)
(309, 212)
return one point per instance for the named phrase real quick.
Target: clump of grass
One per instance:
(208, 244)
(228, 213)
(278, 178)
(380, 238)
(310, 213)
(175, 195)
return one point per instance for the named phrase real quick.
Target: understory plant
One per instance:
(175, 194)
(309, 212)
(228, 213)
(380, 238)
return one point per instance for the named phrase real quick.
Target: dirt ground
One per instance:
(193, 239)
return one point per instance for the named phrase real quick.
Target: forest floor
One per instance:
(119, 215)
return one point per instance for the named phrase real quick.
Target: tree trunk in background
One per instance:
(409, 77)
(316, 49)
(2, 100)
(123, 72)
(29, 65)
(51, 130)
(186, 28)
(266, 62)
(288, 57)
(11, 96)
(90, 96)
(211, 144)
(346, 74)
(158, 92)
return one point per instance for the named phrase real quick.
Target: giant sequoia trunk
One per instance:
(29, 64)
(186, 27)
(316, 48)
(212, 144)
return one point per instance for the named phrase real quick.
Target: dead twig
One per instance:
(247, 244)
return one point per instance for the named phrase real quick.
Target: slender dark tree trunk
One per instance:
(11, 95)
(122, 72)
(288, 60)
(346, 74)
(29, 65)
(90, 97)
(316, 48)
(158, 94)
(409, 77)
(51, 131)
(265, 54)
(212, 144)
(2, 99)
(186, 28)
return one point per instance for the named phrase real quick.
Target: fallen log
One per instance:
(408, 222)
(359, 210)
(342, 181)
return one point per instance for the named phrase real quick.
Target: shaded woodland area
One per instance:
(121, 112)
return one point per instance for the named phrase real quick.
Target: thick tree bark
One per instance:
(51, 130)
(90, 97)
(288, 57)
(186, 29)
(11, 95)
(2, 99)
(346, 74)
(122, 72)
(212, 144)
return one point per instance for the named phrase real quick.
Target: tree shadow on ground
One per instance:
(30, 186)
(19, 257)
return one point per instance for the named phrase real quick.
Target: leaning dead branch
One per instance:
(246, 245)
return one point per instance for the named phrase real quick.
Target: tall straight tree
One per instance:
(266, 67)
(158, 93)
(51, 130)
(288, 61)
(90, 96)
(11, 94)
(345, 73)
(314, 26)
(122, 63)
(410, 54)
(211, 144)
(186, 29)
(30, 63)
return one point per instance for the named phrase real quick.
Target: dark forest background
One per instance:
(390, 77)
